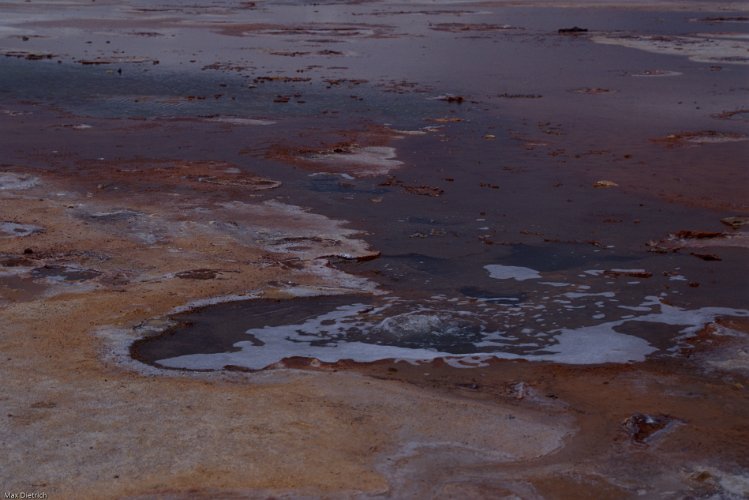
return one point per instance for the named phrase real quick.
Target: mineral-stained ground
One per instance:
(435, 249)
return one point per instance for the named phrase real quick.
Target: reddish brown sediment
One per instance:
(157, 175)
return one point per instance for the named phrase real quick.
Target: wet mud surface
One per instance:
(374, 249)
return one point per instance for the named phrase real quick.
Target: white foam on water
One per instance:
(501, 272)
(417, 323)
(280, 342)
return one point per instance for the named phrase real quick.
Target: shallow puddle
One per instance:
(583, 320)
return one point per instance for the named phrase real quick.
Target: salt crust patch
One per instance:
(724, 48)
(10, 181)
(739, 239)
(714, 138)
(370, 160)
(295, 231)
(14, 229)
